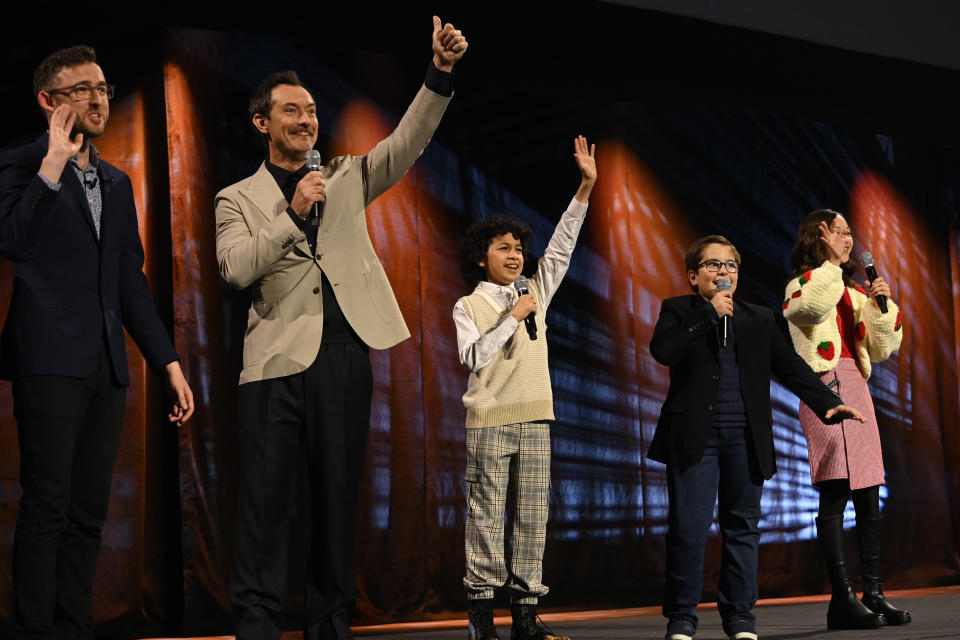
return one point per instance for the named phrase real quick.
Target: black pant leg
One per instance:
(69, 430)
(270, 425)
(95, 456)
(339, 391)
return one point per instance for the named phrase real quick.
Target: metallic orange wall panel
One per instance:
(205, 451)
(915, 411)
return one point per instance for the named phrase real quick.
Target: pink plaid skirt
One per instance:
(850, 449)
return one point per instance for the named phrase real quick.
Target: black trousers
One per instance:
(69, 431)
(323, 412)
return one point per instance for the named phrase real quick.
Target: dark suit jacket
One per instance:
(685, 339)
(71, 289)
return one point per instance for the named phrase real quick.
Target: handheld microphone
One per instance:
(313, 164)
(723, 284)
(867, 261)
(520, 284)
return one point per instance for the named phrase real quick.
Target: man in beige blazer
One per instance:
(320, 300)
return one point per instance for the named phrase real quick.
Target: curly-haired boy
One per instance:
(509, 403)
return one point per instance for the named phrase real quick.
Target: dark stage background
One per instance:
(700, 128)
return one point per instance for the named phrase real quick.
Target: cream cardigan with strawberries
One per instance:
(810, 308)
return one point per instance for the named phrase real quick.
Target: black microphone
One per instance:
(723, 284)
(91, 182)
(313, 164)
(530, 322)
(867, 261)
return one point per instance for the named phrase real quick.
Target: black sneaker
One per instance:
(480, 621)
(528, 626)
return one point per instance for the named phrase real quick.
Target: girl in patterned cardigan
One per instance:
(837, 327)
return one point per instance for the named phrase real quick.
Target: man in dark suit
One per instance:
(69, 225)
(715, 432)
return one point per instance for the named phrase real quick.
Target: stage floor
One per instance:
(936, 614)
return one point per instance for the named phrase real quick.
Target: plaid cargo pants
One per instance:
(496, 457)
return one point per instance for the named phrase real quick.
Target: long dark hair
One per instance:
(810, 252)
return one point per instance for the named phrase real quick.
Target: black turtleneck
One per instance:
(336, 329)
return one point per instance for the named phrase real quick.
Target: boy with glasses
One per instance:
(715, 432)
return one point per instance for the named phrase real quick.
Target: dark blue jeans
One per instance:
(727, 466)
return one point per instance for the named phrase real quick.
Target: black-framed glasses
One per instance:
(81, 92)
(713, 266)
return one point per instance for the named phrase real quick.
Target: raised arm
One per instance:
(811, 297)
(27, 196)
(394, 155)
(556, 258)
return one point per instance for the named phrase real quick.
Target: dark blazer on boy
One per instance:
(686, 340)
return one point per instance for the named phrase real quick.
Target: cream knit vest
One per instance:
(515, 385)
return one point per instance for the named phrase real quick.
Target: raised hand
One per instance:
(585, 158)
(584, 155)
(61, 145)
(449, 45)
(836, 243)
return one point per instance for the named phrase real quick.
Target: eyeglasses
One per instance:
(713, 266)
(81, 92)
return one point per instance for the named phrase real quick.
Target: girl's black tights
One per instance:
(834, 494)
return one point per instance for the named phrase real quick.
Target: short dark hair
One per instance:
(477, 241)
(47, 70)
(695, 253)
(809, 252)
(260, 100)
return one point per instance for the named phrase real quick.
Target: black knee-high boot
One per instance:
(845, 610)
(869, 537)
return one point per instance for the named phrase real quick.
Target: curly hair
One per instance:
(695, 253)
(47, 70)
(810, 252)
(477, 241)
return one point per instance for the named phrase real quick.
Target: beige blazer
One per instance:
(259, 246)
